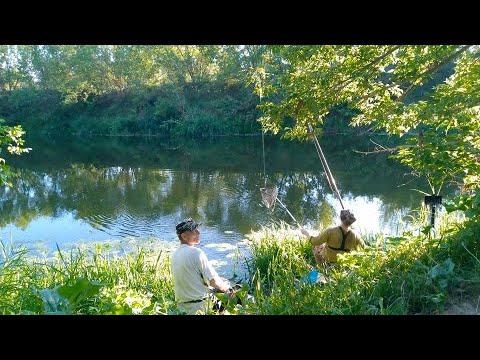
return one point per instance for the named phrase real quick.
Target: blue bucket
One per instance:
(311, 278)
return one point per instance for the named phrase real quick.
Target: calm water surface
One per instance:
(98, 189)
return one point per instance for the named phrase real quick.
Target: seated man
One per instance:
(335, 240)
(192, 273)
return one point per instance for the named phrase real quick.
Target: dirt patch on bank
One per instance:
(463, 306)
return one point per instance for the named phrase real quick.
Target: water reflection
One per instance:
(108, 188)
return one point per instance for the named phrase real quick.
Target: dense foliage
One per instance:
(11, 137)
(129, 89)
(300, 85)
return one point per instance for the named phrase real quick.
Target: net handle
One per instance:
(269, 196)
(288, 212)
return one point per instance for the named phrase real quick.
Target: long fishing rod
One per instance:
(326, 168)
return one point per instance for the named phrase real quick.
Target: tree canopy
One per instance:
(300, 85)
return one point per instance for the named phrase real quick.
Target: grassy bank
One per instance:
(422, 272)
(418, 273)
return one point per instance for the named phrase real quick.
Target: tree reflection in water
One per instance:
(109, 188)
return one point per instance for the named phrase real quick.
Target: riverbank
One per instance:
(420, 273)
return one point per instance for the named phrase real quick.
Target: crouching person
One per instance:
(335, 240)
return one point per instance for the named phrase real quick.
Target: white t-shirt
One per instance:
(191, 273)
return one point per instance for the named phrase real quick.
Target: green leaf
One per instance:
(426, 230)
(442, 270)
(53, 303)
(80, 291)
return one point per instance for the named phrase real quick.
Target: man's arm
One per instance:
(220, 284)
(315, 240)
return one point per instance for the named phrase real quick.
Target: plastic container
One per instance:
(312, 277)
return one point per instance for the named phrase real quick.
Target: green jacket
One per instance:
(333, 237)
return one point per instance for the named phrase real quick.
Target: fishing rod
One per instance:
(326, 168)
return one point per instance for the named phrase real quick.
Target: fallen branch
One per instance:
(381, 149)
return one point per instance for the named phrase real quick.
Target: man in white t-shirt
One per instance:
(192, 272)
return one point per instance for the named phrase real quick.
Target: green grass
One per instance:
(420, 272)
(412, 274)
(93, 281)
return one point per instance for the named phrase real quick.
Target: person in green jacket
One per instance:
(335, 240)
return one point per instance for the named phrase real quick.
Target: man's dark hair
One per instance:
(347, 217)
